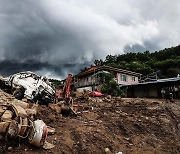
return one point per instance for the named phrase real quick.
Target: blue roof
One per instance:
(157, 81)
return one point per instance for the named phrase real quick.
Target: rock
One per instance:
(48, 145)
(93, 99)
(109, 97)
(107, 151)
(25, 149)
(10, 148)
(51, 130)
(99, 100)
(119, 152)
(118, 98)
(126, 138)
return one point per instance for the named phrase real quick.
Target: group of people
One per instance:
(169, 93)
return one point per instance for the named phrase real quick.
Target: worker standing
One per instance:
(168, 95)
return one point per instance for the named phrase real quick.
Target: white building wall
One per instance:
(129, 79)
(85, 88)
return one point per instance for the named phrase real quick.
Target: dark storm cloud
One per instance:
(49, 70)
(57, 37)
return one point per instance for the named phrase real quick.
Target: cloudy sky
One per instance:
(56, 37)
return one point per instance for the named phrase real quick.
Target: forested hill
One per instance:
(165, 62)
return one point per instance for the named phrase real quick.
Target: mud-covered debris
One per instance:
(48, 146)
(10, 148)
(30, 86)
(19, 111)
(3, 127)
(119, 152)
(107, 151)
(50, 130)
(109, 96)
(7, 116)
(16, 121)
(56, 107)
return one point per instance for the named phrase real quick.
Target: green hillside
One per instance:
(165, 62)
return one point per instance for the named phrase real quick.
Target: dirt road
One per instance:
(120, 125)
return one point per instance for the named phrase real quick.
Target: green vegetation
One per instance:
(165, 62)
(110, 86)
(56, 83)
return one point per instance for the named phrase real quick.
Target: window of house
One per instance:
(133, 78)
(123, 77)
(89, 79)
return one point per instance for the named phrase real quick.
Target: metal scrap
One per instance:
(16, 120)
(31, 86)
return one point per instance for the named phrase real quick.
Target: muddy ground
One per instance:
(119, 125)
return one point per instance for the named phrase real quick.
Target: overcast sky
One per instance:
(56, 37)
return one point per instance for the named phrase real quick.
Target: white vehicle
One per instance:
(31, 86)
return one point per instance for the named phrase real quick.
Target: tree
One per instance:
(110, 86)
(166, 60)
(98, 62)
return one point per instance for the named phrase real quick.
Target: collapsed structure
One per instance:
(17, 117)
(29, 85)
(125, 121)
(19, 108)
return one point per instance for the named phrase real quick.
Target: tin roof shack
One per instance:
(154, 89)
(91, 79)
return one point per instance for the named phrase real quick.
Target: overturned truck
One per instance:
(29, 85)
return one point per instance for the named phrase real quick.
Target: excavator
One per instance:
(65, 97)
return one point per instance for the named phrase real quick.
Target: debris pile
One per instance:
(18, 113)
(103, 124)
(30, 86)
(18, 120)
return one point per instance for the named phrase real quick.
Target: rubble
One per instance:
(103, 124)
(7, 116)
(117, 126)
(10, 148)
(48, 146)
(50, 130)
(107, 151)
(29, 85)
(16, 120)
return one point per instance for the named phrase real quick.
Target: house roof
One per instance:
(95, 69)
(157, 81)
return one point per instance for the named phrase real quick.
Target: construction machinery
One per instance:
(65, 97)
